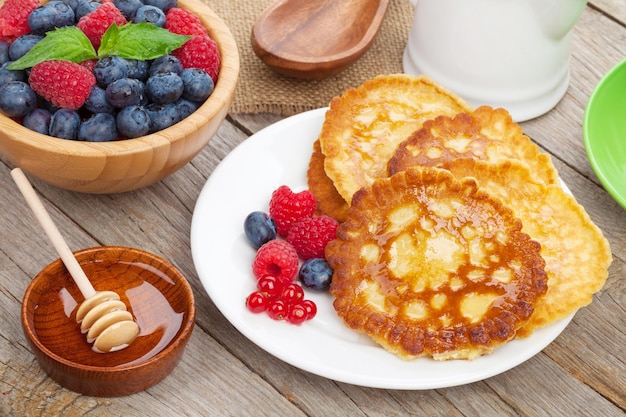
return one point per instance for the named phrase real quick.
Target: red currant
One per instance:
(270, 286)
(278, 309)
(292, 293)
(297, 314)
(310, 307)
(257, 302)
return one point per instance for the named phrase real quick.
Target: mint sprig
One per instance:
(68, 43)
(141, 41)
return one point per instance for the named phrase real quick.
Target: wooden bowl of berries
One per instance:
(101, 99)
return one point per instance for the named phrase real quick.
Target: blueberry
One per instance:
(17, 99)
(150, 14)
(162, 116)
(96, 102)
(72, 3)
(164, 5)
(4, 52)
(7, 75)
(133, 121)
(138, 69)
(64, 124)
(42, 103)
(100, 127)
(110, 69)
(84, 7)
(54, 14)
(316, 274)
(22, 45)
(163, 88)
(38, 120)
(198, 85)
(259, 228)
(128, 7)
(125, 92)
(166, 63)
(186, 107)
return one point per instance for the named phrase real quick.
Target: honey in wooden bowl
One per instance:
(158, 296)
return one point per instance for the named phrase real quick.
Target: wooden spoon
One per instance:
(102, 315)
(316, 38)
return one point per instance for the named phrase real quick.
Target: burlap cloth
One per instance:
(262, 90)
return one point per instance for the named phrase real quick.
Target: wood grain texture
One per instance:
(316, 39)
(612, 8)
(582, 373)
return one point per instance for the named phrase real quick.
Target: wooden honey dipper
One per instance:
(102, 315)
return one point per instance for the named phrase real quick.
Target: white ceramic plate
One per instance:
(242, 183)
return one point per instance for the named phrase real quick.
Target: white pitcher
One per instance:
(504, 53)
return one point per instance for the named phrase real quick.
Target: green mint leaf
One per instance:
(142, 41)
(69, 44)
(109, 40)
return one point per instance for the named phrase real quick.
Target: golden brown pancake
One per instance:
(428, 265)
(487, 134)
(576, 253)
(328, 200)
(364, 126)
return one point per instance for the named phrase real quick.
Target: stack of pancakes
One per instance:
(456, 235)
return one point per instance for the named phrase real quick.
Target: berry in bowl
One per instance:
(111, 96)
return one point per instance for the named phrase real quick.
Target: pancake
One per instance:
(486, 134)
(428, 265)
(576, 253)
(363, 126)
(328, 200)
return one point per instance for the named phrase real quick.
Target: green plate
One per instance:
(604, 132)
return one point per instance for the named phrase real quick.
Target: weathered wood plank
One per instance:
(222, 373)
(556, 393)
(614, 8)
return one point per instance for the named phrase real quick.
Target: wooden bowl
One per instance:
(124, 165)
(155, 292)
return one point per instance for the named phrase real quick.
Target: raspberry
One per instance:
(309, 235)
(90, 64)
(63, 83)
(14, 18)
(184, 22)
(286, 207)
(97, 22)
(200, 52)
(278, 259)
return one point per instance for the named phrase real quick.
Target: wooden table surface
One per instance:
(222, 373)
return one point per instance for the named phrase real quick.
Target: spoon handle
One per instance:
(53, 233)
